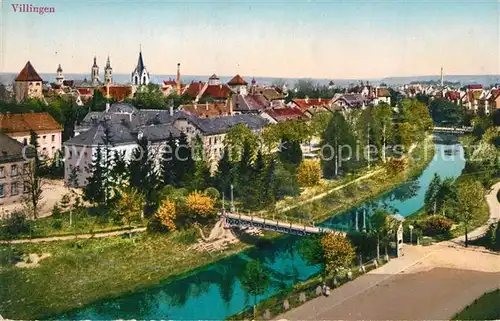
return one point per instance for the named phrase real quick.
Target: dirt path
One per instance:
(78, 236)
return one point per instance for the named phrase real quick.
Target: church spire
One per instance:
(108, 64)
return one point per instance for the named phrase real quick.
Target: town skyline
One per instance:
(205, 38)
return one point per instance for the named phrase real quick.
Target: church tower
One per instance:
(59, 77)
(140, 75)
(95, 73)
(108, 73)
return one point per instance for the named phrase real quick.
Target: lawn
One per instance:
(486, 307)
(80, 272)
(82, 223)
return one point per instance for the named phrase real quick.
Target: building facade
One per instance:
(140, 75)
(48, 130)
(28, 84)
(14, 160)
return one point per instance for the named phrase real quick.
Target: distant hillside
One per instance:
(8, 78)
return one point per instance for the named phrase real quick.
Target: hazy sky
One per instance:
(328, 39)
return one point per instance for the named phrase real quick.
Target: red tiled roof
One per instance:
(16, 123)
(453, 95)
(208, 110)
(237, 81)
(28, 74)
(194, 88)
(169, 82)
(282, 114)
(311, 102)
(120, 93)
(217, 91)
(475, 86)
(85, 91)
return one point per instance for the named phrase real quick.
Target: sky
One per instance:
(317, 39)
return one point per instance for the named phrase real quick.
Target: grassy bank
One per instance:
(356, 193)
(85, 271)
(486, 307)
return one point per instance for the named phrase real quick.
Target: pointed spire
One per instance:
(108, 63)
(95, 62)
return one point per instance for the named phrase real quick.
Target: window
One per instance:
(26, 187)
(25, 141)
(44, 137)
(210, 141)
(13, 170)
(14, 189)
(70, 155)
(25, 168)
(53, 138)
(2, 191)
(2, 172)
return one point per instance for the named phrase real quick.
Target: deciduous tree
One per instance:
(470, 196)
(308, 173)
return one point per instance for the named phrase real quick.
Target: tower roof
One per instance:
(237, 81)
(59, 69)
(28, 74)
(140, 64)
(95, 62)
(108, 63)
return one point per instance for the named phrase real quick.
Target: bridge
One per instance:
(239, 220)
(453, 130)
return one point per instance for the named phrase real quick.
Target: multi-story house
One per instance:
(28, 84)
(20, 126)
(14, 160)
(125, 125)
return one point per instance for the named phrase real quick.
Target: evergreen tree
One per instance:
(107, 162)
(338, 136)
(244, 169)
(202, 178)
(185, 165)
(119, 172)
(94, 192)
(168, 171)
(268, 195)
(290, 151)
(224, 174)
(254, 192)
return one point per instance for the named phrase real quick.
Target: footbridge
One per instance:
(453, 130)
(240, 220)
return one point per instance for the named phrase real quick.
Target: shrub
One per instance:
(436, 225)
(57, 224)
(17, 224)
(308, 173)
(56, 212)
(213, 193)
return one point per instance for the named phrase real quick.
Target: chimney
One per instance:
(178, 80)
(307, 100)
(171, 109)
(107, 106)
(230, 102)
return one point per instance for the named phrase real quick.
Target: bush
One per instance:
(436, 225)
(57, 224)
(17, 224)
(56, 212)
(213, 193)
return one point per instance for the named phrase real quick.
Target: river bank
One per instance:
(103, 269)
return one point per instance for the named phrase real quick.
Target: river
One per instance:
(215, 292)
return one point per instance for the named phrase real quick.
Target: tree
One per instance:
(290, 151)
(338, 251)
(379, 227)
(382, 127)
(165, 215)
(94, 192)
(253, 195)
(286, 182)
(236, 138)
(184, 162)
(244, 169)
(309, 173)
(224, 174)
(32, 176)
(119, 171)
(416, 116)
(319, 122)
(129, 206)
(336, 138)
(200, 206)
(168, 170)
(470, 195)
(432, 194)
(255, 280)
(269, 184)
(150, 97)
(446, 112)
